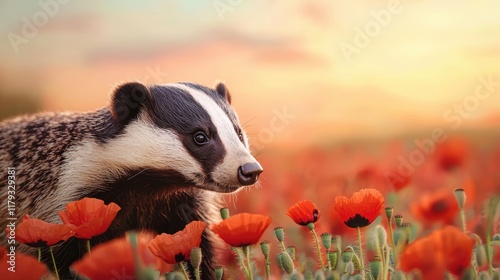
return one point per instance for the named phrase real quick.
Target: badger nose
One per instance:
(248, 173)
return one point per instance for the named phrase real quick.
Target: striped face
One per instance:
(187, 133)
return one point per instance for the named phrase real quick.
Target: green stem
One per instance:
(385, 273)
(361, 260)
(88, 246)
(392, 245)
(242, 262)
(184, 271)
(246, 250)
(318, 248)
(54, 262)
(39, 254)
(268, 268)
(283, 246)
(197, 273)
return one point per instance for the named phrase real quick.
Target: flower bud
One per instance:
(175, 276)
(337, 242)
(266, 248)
(375, 266)
(295, 276)
(347, 254)
(388, 212)
(484, 276)
(196, 257)
(480, 253)
(357, 276)
(333, 257)
(224, 213)
(291, 251)
(399, 220)
(319, 275)
(286, 262)
(381, 235)
(398, 275)
(280, 234)
(461, 197)
(349, 268)
(326, 239)
(308, 275)
(219, 272)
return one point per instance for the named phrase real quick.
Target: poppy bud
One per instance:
(196, 257)
(347, 254)
(308, 275)
(480, 252)
(375, 266)
(388, 212)
(400, 236)
(357, 277)
(319, 275)
(399, 220)
(468, 274)
(333, 257)
(496, 237)
(219, 272)
(484, 276)
(224, 213)
(175, 276)
(286, 262)
(280, 234)
(461, 197)
(398, 275)
(496, 274)
(407, 228)
(337, 241)
(381, 235)
(349, 268)
(295, 276)
(266, 248)
(291, 251)
(326, 239)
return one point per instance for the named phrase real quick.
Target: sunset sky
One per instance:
(410, 65)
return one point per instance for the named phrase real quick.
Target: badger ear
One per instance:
(221, 89)
(127, 101)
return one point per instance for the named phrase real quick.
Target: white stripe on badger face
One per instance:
(237, 153)
(141, 146)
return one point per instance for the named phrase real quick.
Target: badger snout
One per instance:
(249, 172)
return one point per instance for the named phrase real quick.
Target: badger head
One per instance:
(183, 133)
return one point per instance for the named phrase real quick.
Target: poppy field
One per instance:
(367, 221)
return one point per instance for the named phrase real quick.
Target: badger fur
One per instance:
(163, 153)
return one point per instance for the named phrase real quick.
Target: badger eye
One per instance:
(240, 135)
(200, 138)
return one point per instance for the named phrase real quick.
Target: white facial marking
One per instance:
(236, 152)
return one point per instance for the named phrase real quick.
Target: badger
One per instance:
(163, 153)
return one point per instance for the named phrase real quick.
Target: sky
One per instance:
(299, 72)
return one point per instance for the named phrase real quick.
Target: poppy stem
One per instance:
(54, 262)
(393, 248)
(39, 254)
(88, 246)
(246, 250)
(183, 268)
(242, 262)
(361, 260)
(320, 257)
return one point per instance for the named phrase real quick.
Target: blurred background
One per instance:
(402, 96)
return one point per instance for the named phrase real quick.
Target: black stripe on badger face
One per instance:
(175, 109)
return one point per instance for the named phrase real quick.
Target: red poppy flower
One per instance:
(177, 247)
(21, 267)
(303, 213)
(242, 229)
(447, 249)
(90, 215)
(114, 259)
(37, 233)
(361, 209)
(440, 206)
